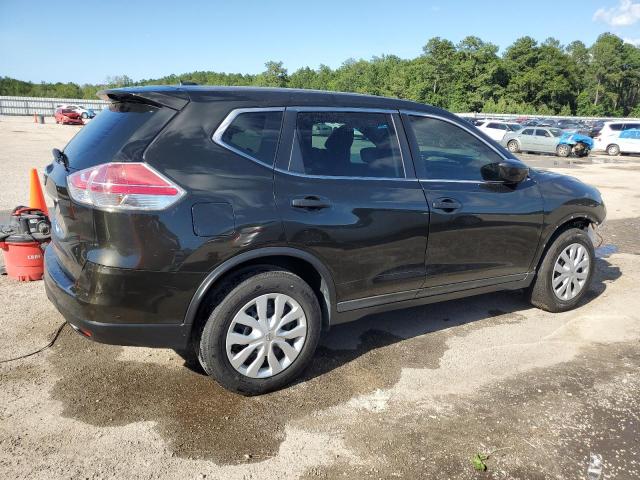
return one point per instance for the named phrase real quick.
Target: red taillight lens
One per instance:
(131, 186)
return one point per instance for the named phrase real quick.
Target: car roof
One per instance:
(268, 96)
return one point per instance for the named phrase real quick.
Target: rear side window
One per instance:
(120, 133)
(616, 127)
(253, 134)
(346, 144)
(629, 126)
(448, 152)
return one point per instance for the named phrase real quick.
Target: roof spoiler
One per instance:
(172, 98)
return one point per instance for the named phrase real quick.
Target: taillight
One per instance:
(130, 186)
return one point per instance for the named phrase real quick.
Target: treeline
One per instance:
(529, 77)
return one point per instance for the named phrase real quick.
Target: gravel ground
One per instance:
(407, 394)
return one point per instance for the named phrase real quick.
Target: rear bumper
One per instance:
(81, 312)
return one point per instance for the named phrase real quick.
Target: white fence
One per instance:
(511, 116)
(45, 106)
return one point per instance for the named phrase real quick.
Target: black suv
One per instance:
(238, 223)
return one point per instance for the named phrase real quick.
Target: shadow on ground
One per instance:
(199, 419)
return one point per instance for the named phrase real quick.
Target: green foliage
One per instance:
(529, 78)
(478, 461)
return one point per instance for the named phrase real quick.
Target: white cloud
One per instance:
(633, 41)
(625, 14)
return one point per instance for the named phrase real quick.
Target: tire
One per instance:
(227, 323)
(84, 115)
(563, 150)
(542, 293)
(613, 150)
(513, 146)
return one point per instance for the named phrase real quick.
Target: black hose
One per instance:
(50, 344)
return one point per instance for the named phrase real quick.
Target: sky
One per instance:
(87, 41)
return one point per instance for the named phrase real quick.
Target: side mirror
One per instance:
(507, 171)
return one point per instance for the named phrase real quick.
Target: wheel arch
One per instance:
(580, 220)
(300, 262)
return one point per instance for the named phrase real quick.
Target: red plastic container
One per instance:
(24, 261)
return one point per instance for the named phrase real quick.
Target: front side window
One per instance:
(254, 134)
(346, 144)
(542, 133)
(527, 131)
(449, 152)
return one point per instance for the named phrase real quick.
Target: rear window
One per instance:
(120, 133)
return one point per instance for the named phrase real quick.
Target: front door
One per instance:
(479, 229)
(346, 196)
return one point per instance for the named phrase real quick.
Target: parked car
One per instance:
(626, 141)
(497, 129)
(613, 128)
(530, 139)
(82, 111)
(66, 116)
(215, 221)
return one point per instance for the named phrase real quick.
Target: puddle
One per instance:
(622, 234)
(606, 250)
(198, 418)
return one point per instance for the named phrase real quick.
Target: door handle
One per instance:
(447, 205)
(310, 202)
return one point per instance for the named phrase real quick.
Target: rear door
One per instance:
(544, 141)
(527, 139)
(481, 231)
(346, 191)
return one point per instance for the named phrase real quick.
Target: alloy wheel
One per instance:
(570, 271)
(266, 336)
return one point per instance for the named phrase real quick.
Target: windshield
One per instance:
(556, 132)
(514, 127)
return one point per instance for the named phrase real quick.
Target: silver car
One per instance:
(533, 139)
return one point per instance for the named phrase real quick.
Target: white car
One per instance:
(627, 141)
(615, 127)
(497, 130)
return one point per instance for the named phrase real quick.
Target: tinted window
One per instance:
(120, 133)
(628, 126)
(346, 144)
(448, 151)
(255, 134)
(542, 133)
(616, 126)
(527, 131)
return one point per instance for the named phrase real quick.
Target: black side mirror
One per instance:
(507, 171)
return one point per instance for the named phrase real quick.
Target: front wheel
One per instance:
(262, 334)
(563, 150)
(613, 150)
(565, 273)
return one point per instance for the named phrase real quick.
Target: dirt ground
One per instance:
(409, 394)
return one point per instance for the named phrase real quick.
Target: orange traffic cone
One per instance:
(36, 197)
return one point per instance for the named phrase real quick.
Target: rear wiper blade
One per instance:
(60, 157)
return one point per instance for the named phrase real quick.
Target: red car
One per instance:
(66, 116)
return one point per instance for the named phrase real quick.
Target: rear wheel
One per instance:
(613, 150)
(513, 146)
(565, 273)
(262, 334)
(563, 150)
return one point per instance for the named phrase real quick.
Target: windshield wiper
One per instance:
(60, 157)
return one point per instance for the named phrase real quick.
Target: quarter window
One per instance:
(346, 144)
(449, 152)
(254, 134)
